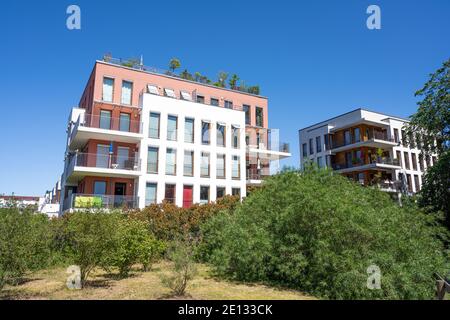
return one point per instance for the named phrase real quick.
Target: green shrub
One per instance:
(134, 244)
(318, 232)
(24, 243)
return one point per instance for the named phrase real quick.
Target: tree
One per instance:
(233, 81)
(433, 114)
(318, 232)
(174, 64)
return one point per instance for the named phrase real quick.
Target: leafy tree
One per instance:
(174, 64)
(318, 232)
(221, 81)
(233, 81)
(24, 243)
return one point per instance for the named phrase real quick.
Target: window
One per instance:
(205, 133)
(404, 138)
(236, 192)
(187, 196)
(326, 138)
(204, 165)
(318, 144)
(150, 194)
(169, 194)
(124, 122)
(412, 143)
(200, 99)
(105, 119)
(108, 89)
(102, 157)
(186, 96)
(246, 109)
(169, 93)
(220, 167)
(235, 136)
(399, 157)
(172, 124)
(204, 194)
(357, 135)
(235, 167)
(153, 131)
(220, 192)
(123, 157)
(127, 89)
(171, 161)
(311, 147)
(396, 137)
(416, 182)
(99, 187)
(319, 162)
(220, 135)
(259, 117)
(347, 137)
(153, 89)
(188, 168)
(304, 150)
(405, 155)
(228, 104)
(152, 160)
(189, 130)
(409, 182)
(421, 162)
(414, 161)
(214, 102)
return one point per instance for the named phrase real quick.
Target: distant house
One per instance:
(20, 201)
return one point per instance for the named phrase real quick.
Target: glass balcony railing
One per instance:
(373, 135)
(123, 124)
(108, 161)
(359, 162)
(258, 174)
(95, 201)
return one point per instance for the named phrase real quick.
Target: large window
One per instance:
(123, 155)
(247, 113)
(220, 166)
(347, 137)
(396, 137)
(188, 167)
(100, 187)
(318, 144)
(405, 154)
(102, 157)
(169, 194)
(153, 131)
(200, 99)
(235, 167)
(124, 123)
(171, 161)
(206, 140)
(304, 150)
(189, 130)
(414, 161)
(127, 89)
(220, 135)
(326, 138)
(204, 165)
(150, 193)
(172, 125)
(204, 194)
(416, 182)
(108, 89)
(105, 119)
(152, 160)
(220, 192)
(259, 117)
(311, 146)
(357, 135)
(236, 192)
(235, 137)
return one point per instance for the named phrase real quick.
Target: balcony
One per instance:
(375, 139)
(390, 186)
(80, 201)
(99, 127)
(256, 176)
(379, 163)
(264, 143)
(82, 164)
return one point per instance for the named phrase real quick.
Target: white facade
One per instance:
(409, 169)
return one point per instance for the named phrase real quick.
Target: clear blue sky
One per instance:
(313, 59)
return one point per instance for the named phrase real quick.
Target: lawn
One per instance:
(50, 284)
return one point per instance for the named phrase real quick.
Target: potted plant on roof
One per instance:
(173, 65)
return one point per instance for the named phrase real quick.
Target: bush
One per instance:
(90, 238)
(24, 243)
(184, 269)
(318, 232)
(134, 244)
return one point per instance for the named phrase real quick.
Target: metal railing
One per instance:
(111, 123)
(390, 185)
(373, 135)
(360, 162)
(95, 201)
(109, 161)
(258, 174)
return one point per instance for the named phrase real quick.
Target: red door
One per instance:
(187, 196)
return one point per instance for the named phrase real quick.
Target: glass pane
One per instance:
(105, 119)
(188, 163)
(100, 187)
(220, 166)
(235, 167)
(127, 88)
(172, 128)
(154, 126)
(102, 156)
(108, 85)
(124, 122)
(150, 194)
(220, 135)
(205, 133)
(170, 161)
(152, 160)
(189, 131)
(204, 165)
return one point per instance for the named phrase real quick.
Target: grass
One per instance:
(50, 284)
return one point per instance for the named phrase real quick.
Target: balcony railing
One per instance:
(111, 123)
(258, 174)
(109, 161)
(378, 135)
(390, 185)
(359, 162)
(94, 201)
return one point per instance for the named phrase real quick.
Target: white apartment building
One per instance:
(368, 147)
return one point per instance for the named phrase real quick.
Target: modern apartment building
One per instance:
(140, 136)
(368, 147)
